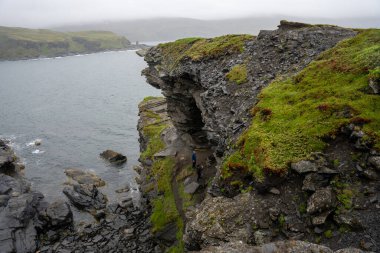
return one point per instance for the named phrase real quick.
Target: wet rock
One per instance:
(59, 214)
(86, 197)
(84, 177)
(320, 201)
(304, 167)
(113, 157)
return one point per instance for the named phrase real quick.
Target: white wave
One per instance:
(35, 142)
(37, 151)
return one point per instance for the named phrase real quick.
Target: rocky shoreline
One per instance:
(30, 224)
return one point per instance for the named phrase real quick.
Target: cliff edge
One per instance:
(291, 118)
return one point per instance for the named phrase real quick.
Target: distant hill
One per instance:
(167, 29)
(22, 43)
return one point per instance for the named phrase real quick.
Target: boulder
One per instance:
(349, 220)
(113, 157)
(191, 188)
(320, 201)
(59, 214)
(314, 181)
(84, 177)
(375, 162)
(86, 197)
(304, 167)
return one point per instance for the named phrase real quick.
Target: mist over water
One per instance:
(78, 106)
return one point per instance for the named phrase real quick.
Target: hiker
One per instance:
(194, 159)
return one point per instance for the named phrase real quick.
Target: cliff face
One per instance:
(293, 119)
(201, 97)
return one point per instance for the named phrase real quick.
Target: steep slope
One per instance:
(22, 43)
(293, 118)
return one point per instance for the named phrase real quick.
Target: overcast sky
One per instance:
(44, 13)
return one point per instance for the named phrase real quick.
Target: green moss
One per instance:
(238, 74)
(281, 220)
(198, 49)
(302, 208)
(149, 98)
(295, 115)
(345, 196)
(328, 234)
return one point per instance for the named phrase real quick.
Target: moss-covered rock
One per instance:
(296, 115)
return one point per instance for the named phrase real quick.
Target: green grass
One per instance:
(198, 49)
(295, 115)
(164, 208)
(21, 43)
(238, 74)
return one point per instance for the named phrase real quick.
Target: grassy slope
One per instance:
(20, 43)
(198, 49)
(294, 115)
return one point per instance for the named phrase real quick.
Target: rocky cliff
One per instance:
(22, 43)
(288, 124)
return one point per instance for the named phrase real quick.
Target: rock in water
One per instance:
(114, 157)
(84, 177)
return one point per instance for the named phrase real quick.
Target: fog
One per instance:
(48, 13)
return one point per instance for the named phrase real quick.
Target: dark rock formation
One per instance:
(113, 157)
(86, 197)
(24, 215)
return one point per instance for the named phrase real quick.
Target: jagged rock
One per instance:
(84, 177)
(370, 174)
(320, 219)
(59, 214)
(375, 162)
(304, 167)
(86, 197)
(274, 191)
(348, 220)
(261, 237)
(274, 213)
(113, 157)
(314, 181)
(320, 201)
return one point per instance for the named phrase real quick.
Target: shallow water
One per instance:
(78, 106)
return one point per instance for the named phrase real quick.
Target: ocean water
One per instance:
(78, 106)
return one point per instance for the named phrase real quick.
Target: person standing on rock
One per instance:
(194, 159)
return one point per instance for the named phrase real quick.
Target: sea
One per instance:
(77, 107)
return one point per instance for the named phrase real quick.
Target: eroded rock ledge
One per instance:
(202, 99)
